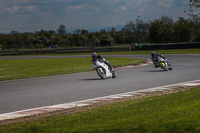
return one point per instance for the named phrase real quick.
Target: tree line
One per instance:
(162, 30)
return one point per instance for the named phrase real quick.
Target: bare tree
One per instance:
(194, 9)
(62, 30)
(139, 28)
(166, 19)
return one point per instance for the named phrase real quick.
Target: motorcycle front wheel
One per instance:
(163, 66)
(101, 72)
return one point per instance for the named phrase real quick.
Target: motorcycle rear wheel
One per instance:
(114, 74)
(169, 67)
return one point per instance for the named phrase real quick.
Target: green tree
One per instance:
(160, 32)
(1, 46)
(183, 30)
(84, 32)
(196, 31)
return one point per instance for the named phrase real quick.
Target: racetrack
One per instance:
(36, 92)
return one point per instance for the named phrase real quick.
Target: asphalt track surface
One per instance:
(30, 93)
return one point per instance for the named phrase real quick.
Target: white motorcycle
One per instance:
(103, 70)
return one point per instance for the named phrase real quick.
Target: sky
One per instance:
(35, 15)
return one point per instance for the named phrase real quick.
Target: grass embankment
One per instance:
(27, 68)
(178, 112)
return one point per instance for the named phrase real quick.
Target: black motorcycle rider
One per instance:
(100, 59)
(154, 58)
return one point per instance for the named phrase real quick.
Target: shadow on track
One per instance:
(93, 79)
(155, 71)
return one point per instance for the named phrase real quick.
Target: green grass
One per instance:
(177, 112)
(27, 68)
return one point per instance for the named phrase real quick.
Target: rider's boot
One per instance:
(110, 67)
(156, 65)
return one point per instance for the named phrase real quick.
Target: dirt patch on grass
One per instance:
(78, 109)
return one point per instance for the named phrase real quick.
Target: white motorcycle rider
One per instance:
(102, 67)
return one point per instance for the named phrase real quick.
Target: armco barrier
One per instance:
(74, 50)
(102, 49)
(36, 51)
(170, 46)
(9, 52)
(64, 50)
(112, 48)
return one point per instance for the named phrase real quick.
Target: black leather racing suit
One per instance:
(155, 59)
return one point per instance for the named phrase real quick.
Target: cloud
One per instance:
(82, 7)
(166, 3)
(144, 9)
(83, 13)
(13, 9)
(122, 8)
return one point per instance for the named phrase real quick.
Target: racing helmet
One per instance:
(153, 53)
(94, 55)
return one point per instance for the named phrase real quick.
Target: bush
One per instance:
(1, 46)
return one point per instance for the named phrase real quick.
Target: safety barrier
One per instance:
(169, 46)
(102, 49)
(63, 50)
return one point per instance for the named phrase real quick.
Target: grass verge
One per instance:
(28, 68)
(177, 112)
